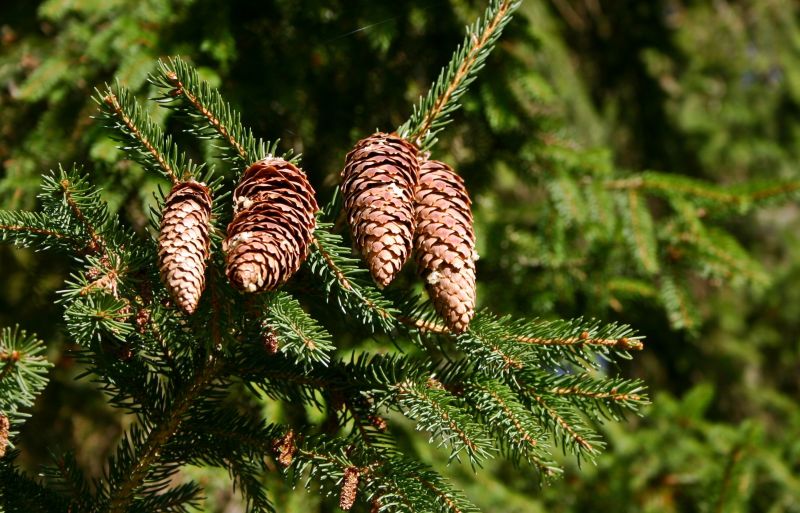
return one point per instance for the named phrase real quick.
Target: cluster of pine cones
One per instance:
(396, 202)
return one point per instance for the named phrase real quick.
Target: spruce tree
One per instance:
(505, 387)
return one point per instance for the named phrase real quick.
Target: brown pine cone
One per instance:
(183, 243)
(274, 207)
(445, 243)
(378, 183)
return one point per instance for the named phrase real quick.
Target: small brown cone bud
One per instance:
(349, 488)
(5, 425)
(286, 447)
(445, 243)
(270, 340)
(378, 182)
(273, 222)
(183, 243)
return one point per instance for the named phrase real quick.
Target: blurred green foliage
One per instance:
(634, 161)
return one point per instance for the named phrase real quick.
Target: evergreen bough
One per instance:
(507, 386)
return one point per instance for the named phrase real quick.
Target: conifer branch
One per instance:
(434, 110)
(414, 478)
(110, 99)
(593, 394)
(344, 280)
(516, 429)
(97, 243)
(678, 303)
(564, 425)
(598, 397)
(584, 339)
(9, 361)
(28, 229)
(122, 492)
(211, 117)
(69, 202)
(641, 236)
(206, 105)
(20, 493)
(486, 347)
(432, 408)
(301, 335)
(622, 343)
(23, 375)
(736, 196)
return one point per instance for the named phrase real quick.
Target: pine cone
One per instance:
(378, 183)
(274, 207)
(445, 243)
(183, 243)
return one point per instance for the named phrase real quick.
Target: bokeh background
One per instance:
(634, 161)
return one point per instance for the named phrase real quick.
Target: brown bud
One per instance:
(349, 488)
(270, 340)
(285, 447)
(5, 425)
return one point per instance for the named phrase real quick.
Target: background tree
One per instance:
(624, 159)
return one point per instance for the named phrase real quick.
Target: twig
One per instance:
(463, 71)
(122, 494)
(113, 102)
(98, 244)
(564, 424)
(207, 113)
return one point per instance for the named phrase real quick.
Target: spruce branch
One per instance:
(71, 482)
(613, 395)
(519, 433)
(128, 478)
(396, 483)
(640, 232)
(520, 343)
(23, 375)
(97, 243)
(677, 300)
(434, 110)
(567, 426)
(718, 254)
(399, 484)
(301, 335)
(145, 141)
(217, 120)
(22, 494)
(344, 281)
(436, 410)
(584, 339)
(426, 323)
(597, 397)
(33, 229)
(70, 201)
(741, 197)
